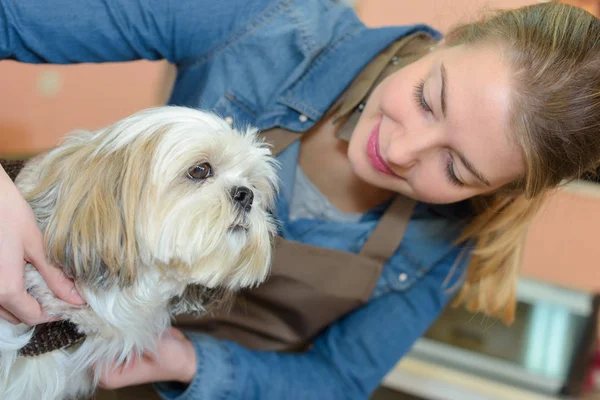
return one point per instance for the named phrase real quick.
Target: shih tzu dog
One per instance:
(149, 216)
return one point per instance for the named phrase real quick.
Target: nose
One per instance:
(406, 149)
(243, 196)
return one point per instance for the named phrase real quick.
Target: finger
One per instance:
(136, 373)
(61, 286)
(7, 316)
(25, 308)
(13, 295)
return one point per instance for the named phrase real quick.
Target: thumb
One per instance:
(57, 281)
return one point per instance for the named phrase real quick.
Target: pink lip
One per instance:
(373, 152)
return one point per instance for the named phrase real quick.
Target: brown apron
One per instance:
(310, 287)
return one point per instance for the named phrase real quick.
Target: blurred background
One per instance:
(550, 351)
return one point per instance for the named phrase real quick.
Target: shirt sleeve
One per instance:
(347, 361)
(74, 31)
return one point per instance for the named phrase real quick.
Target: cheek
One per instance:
(428, 185)
(394, 101)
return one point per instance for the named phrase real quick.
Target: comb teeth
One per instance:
(12, 167)
(52, 336)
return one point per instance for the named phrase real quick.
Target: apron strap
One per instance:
(12, 167)
(387, 235)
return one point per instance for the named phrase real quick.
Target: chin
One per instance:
(159, 214)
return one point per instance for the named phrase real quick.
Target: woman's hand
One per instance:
(174, 360)
(21, 241)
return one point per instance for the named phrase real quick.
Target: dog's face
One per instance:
(173, 189)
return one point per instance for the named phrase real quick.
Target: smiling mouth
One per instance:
(373, 153)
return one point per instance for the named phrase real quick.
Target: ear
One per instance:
(198, 300)
(86, 205)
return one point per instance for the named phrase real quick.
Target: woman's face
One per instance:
(437, 130)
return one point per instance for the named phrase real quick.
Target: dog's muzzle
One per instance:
(242, 197)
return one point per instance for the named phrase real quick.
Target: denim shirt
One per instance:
(266, 63)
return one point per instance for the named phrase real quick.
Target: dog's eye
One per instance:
(200, 172)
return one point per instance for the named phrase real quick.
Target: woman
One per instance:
(475, 128)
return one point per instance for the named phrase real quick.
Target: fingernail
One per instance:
(76, 296)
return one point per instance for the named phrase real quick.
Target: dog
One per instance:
(150, 217)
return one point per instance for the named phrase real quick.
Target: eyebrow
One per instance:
(443, 95)
(464, 160)
(472, 169)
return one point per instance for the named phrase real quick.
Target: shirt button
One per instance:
(229, 120)
(402, 277)
(303, 118)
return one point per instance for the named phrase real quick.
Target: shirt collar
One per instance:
(361, 62)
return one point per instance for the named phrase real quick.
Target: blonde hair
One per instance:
(553, 51)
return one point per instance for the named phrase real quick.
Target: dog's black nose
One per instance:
(243, 196)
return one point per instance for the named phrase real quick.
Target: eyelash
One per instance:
(450, 173)
(419, 97)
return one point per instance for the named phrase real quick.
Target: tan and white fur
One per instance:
(141, 214)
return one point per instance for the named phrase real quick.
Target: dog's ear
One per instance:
(198, 300)
(86, 203)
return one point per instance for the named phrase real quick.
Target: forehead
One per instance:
(478, 90)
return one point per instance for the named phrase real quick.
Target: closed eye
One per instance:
(450, 174)
(420, 96)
